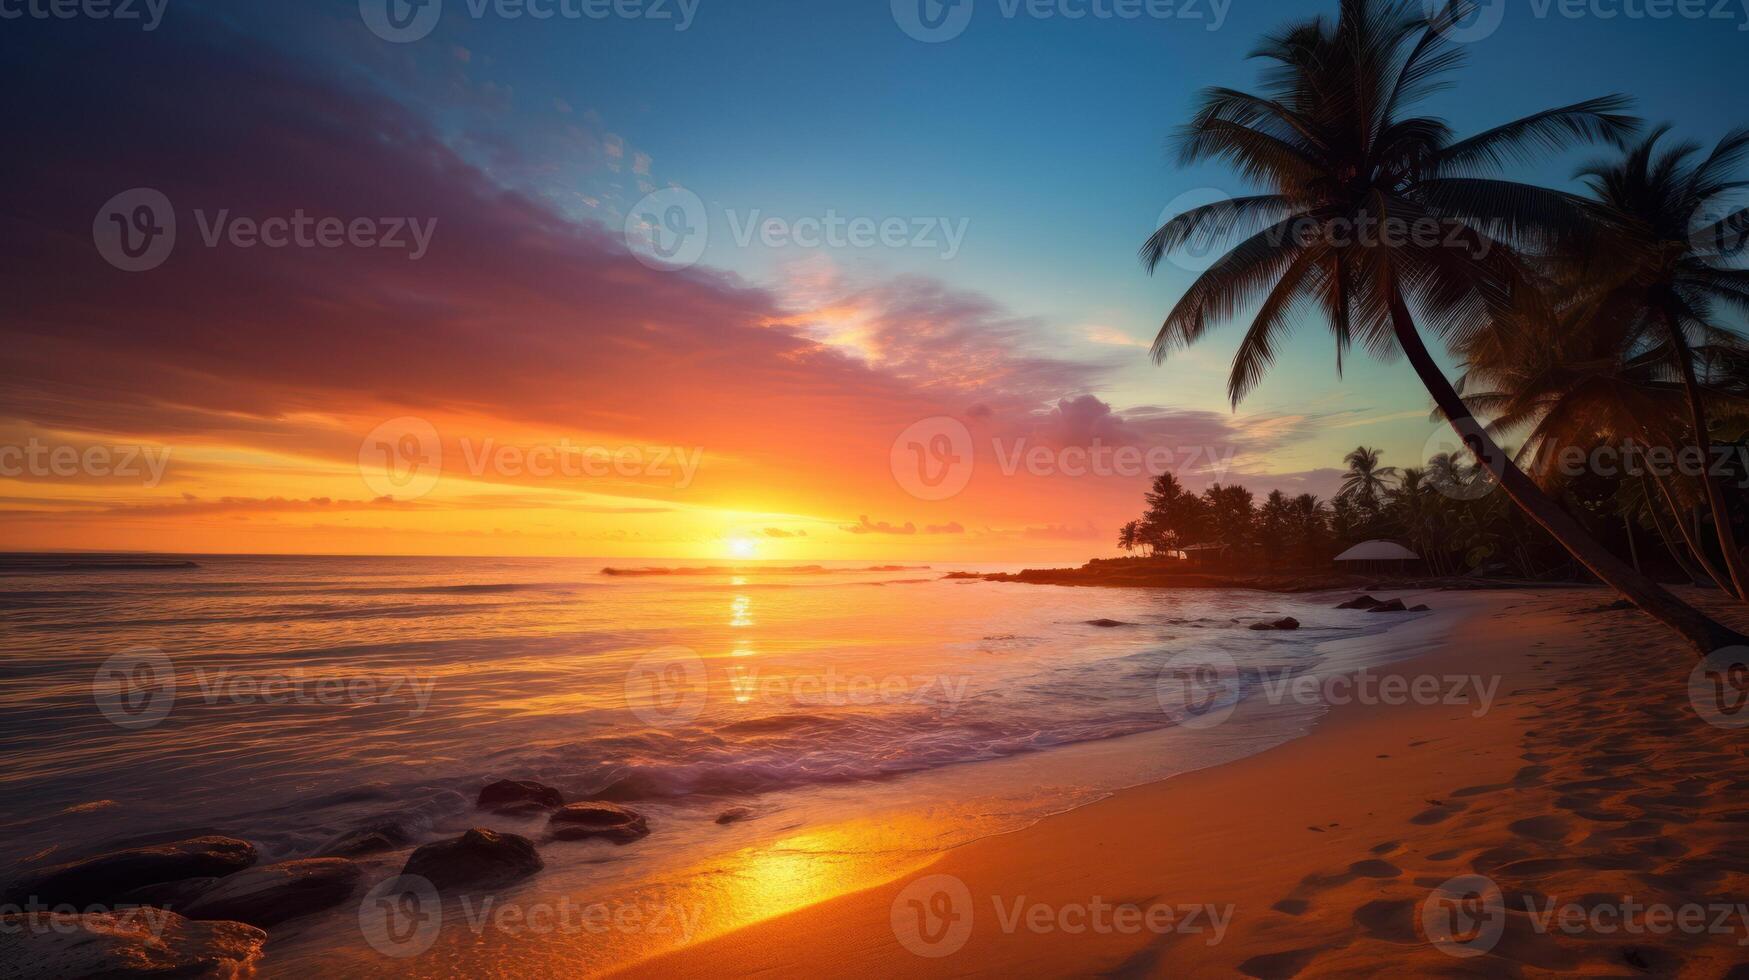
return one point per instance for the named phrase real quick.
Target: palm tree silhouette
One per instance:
(1670, 262)
(1333, 144)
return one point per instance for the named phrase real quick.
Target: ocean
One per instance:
(851, 719)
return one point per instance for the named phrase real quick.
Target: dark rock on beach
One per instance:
(578, 821)
(101, 880)
(513, 795)
(273, 893)
(374, 839)
(1394, 605)
(1108, 623)
(1284, 623)
(173, 895)
(134, 943)
(1360, 602)
(1420, 608)
(480, 857)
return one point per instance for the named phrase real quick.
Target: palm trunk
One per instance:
(1627, 523)
(1670, 545)
(1704, 633)
(1703, 439)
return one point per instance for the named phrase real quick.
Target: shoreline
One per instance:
(1150, 574)
(1389, 801)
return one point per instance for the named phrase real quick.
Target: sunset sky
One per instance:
(752, 400)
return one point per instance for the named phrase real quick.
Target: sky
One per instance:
(900, 313)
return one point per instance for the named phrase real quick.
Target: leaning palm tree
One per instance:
(1348, 172)
(1673, 269)
(1576, 373)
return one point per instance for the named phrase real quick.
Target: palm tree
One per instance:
(1575, 373)
(1129, 537)
(1273, 520)
(1670, 258)
(1333, 143)
(1367, 483)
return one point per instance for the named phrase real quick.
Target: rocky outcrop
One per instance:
(1394, 605)
(374, 839)
(1359, 602)
(103, 879)
(609, 821)
(1284, 623)
(479, 858)
(273, 893)
(1108, 624)
(172, 895)
(136, 943)
(519, 797)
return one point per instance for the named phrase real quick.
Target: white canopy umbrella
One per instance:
(1378, 551)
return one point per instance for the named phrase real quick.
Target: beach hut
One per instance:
(1376, 556)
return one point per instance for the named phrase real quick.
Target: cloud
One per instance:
(865, 526)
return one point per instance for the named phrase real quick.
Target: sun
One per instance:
(742, 547)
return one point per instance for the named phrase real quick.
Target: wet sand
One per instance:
(1588, 782)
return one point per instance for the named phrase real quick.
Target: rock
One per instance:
(479, 857)
(273, 893)
(1394, 605)
(735, 814)
(514, 794)
(1361, 602)
(1420, 608)
(366, 840)
(1284, 623)
(525, 808)
(1108, 623)
(173, 895)
(578, 821)
(135, 943)
(102, 879)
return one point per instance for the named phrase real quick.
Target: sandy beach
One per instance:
(1589, 792)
